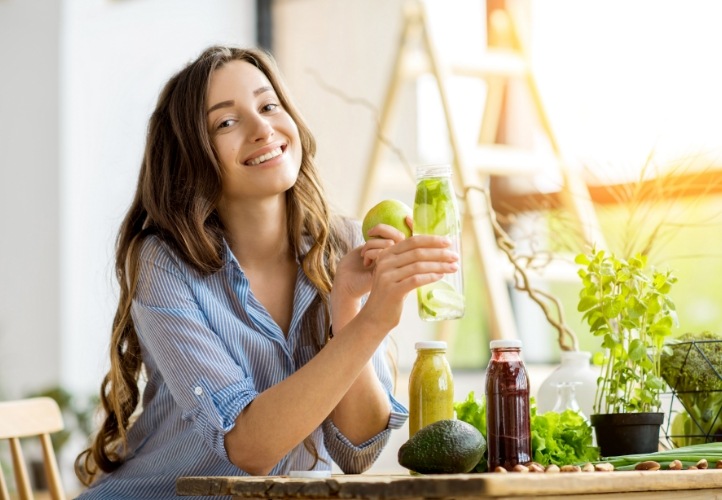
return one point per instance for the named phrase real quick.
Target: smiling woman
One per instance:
(232, 269)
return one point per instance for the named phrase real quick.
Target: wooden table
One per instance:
(658, 485)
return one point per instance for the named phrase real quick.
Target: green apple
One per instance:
(389, 212)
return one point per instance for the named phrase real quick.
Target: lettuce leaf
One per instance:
(473, 412)
(561, 438)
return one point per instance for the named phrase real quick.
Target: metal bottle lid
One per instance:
(505, 344)
(430, 344)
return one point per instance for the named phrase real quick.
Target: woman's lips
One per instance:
(265, 157)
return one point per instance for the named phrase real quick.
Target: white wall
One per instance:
(29, 195)
(116, 56)
(79, 80)
(349, 47)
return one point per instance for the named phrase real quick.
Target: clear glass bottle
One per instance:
(575, 366)
(508, 421)
(567, 399)
(436, 211)
(431, 386)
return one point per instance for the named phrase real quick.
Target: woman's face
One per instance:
(256, 140)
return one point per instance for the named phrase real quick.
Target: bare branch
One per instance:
(549, 304)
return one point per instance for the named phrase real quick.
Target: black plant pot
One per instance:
(627, 433)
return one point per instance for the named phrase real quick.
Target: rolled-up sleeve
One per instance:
(354, 459)
(206, 382)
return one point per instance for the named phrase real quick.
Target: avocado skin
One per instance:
(444, 447)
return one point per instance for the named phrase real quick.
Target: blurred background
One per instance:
(630, 137)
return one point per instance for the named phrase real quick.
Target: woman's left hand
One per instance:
(355, 269)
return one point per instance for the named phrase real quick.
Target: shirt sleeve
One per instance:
(209, 385)
(354, 459)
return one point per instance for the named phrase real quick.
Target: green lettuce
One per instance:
(473, 412)
(561, 438)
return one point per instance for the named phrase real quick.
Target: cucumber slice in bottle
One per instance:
(440, 299)
(424, 218)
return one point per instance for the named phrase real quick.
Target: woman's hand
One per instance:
(355, 271)
(382, 236)
(401, 268)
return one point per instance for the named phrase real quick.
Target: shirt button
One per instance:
(198, 391)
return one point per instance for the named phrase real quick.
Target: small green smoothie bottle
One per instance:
(437, 212)
(431, 386)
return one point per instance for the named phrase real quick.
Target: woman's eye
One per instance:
(226, 123)
(269, 107)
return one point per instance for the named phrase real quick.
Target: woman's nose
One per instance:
(260, 129)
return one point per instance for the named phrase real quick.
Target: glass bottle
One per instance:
(575, 367)
(508, 429)
(436, 212)
(567, 398)
(431, 386)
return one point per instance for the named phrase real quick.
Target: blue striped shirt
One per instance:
(209, 347)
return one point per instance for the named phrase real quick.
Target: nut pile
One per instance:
(648, 465)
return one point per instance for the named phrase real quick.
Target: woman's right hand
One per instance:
(401, 267)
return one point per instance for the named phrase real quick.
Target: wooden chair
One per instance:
(35, 417)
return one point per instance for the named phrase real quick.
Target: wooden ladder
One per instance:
(473, 165)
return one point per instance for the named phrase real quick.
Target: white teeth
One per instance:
(266, 157)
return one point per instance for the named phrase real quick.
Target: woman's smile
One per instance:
(266, 155)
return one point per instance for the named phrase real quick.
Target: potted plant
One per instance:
(627, 305)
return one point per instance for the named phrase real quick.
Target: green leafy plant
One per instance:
(628, 306)
(692, 367)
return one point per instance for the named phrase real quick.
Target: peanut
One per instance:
(604, 467)
(501, 469)
(675, 465)
(648, 465)
(552, 468)
(587, 467)
(719, 464)
(571, 468)
(520, 468)
(536, 467)
(702, 464)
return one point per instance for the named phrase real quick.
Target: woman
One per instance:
(257, 319)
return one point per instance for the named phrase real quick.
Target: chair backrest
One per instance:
(35, 417)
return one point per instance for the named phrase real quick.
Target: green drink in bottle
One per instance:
(437, 212)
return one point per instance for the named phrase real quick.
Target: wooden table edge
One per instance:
(457, 485)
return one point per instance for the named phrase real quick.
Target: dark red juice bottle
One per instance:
(508, 431)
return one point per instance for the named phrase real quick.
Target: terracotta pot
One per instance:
(627, 433)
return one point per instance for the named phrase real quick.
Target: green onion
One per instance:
(688, 455)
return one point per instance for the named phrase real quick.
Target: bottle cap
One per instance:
(505, 344)
(431, 344)
(426, 171)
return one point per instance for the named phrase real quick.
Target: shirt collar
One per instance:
(307, 241)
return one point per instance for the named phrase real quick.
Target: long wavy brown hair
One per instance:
(178, 188)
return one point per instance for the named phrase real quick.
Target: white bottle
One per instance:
(574, 367)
